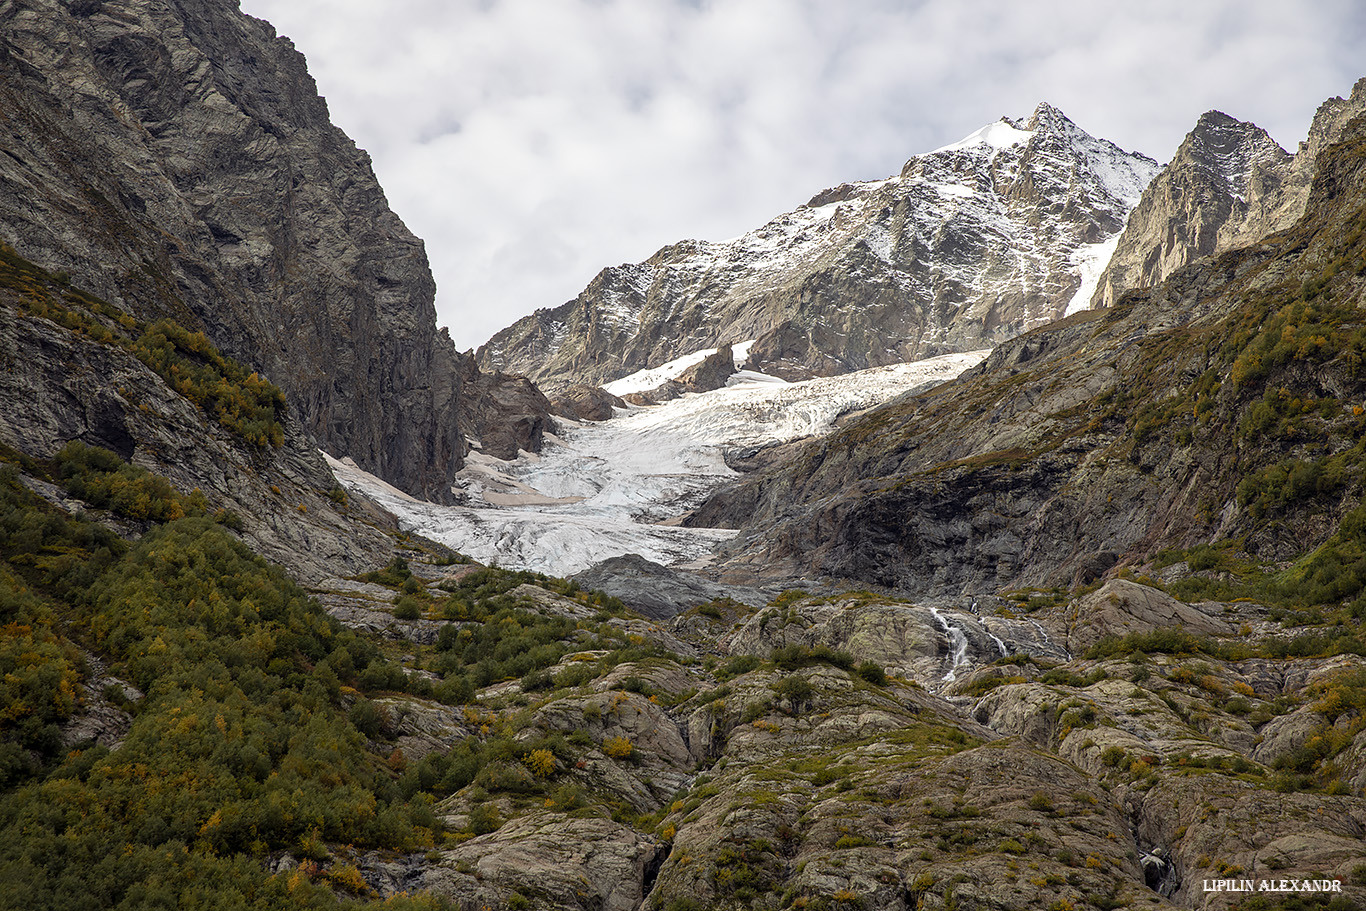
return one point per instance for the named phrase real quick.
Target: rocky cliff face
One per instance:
(1228, 185)
(1174, 419)
(969, 245)
(69, 372)
(176, 160)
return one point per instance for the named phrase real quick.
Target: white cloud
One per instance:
(531, 143)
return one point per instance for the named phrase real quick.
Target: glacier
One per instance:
(600, 490)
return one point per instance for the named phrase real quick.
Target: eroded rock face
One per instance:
(57, 385)
(867, 274)
(1228, 184)
(562, 862)
(583, 402)
(505, 414)
(177, 160)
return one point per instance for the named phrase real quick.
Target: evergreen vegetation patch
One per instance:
(237, 398)
(239, 747)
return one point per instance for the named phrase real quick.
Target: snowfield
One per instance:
(603, 490)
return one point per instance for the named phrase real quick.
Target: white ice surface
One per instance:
(645, 380)
(1091, 260)
(603, 490)
(998, 135)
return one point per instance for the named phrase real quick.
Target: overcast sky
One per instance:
(530, 143)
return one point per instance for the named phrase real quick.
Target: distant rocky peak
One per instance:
(1061, 159)
(1331, 117)
(1229, 149)
(1228, 185)
(968, 245)
(1048, 119)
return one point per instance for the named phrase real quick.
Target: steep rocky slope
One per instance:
(176, 160)
(1228, 185)
(969, 245)
(1221, 405)
(70, 370)
(871, 752)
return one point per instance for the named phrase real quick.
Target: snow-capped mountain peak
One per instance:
(968, 245)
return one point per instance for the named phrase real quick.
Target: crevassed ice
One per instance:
(604, 490)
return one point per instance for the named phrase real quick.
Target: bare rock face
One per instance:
(1085, 438)
(710, 373)
(177, 160)
(657, 591)
(968, 245)
(503, 413)
(58, 385)
(566, 863)
(1228, 184)
(583, 402)
(1120, 607)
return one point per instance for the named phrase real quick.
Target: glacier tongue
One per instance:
(608, 489)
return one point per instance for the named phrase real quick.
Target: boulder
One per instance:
(585, 402)
(553, 861)
(1120, 607)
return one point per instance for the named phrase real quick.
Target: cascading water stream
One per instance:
(958, 644)
(1047, 639)
(1000, 643)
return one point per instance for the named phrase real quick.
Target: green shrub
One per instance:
(241, 401)
(102, 479)
(795, 689)
(408, 608)
(1171, 640)
(793, 657)
(484, 819)
(740, 664)
(872, 672)
(367, 717)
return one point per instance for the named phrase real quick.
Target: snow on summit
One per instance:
(966, 246)
(999, 135)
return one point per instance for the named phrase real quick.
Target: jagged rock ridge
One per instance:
(967, 246)
(1097, 442)
(1228, 184)
(177, 160)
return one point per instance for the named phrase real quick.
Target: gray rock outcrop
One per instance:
(504, 414)
(177, 160)
(1228, 184)
(709, 373)
(658, 591)
(570, 863)
(583, 402)
(1120, 608)
(58, 385)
